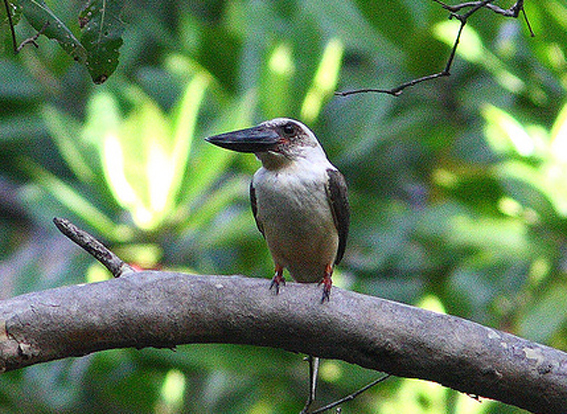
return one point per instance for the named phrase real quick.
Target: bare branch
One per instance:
(313, 373)
(474, 6)
(95, 248)
(161, 309)
(11, 24)
(513, 11)
(352, 396)
(29, 40)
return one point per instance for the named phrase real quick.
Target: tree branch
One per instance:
(29, 40)
(162, 309)
(92, 246)
(474, 6)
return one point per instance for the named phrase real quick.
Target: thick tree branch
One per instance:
(163, 309)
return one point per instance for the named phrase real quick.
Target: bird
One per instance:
(298, 198)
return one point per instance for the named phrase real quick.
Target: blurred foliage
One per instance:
(458, 186)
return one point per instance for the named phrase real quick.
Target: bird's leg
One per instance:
(327, 283)
(278, 279)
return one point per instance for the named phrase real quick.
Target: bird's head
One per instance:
(277, 142)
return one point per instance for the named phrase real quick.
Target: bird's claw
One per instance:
(326, 294)
(277, 280)
(326, 290)
(327, 283)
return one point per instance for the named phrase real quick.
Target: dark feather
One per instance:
(338, 199)
(255, 208)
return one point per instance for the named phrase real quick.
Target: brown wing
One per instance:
(338, 199)
(255, 207)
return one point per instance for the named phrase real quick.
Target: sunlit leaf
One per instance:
(546, 184)
(276, 91)
(173, 390)
(467, 231)
(416, 396)
(467, 404)
(114, 164)
(144, 139)
(558, 11)
(102, 131)
(506, 135)
(324, 82)
(77, 203)
(470, 44)
(184, 122)
(559, 136)
(555, 180)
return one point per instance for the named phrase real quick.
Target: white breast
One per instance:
(297, 219)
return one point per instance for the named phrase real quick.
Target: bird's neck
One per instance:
(274, 161)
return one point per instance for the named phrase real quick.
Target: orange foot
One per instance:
(327, 283)
(278, 279)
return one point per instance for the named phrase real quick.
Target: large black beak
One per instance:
(256, 139)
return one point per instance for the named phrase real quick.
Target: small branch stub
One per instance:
(95, 248)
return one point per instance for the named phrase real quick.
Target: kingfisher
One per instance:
(299, 200)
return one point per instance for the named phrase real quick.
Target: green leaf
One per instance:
(15, 12)
(17, 84)
(350, 22)
(76, 203)
(184, 121)
(101, 36)
(472, 48)
(506, 135)
(137, 160)
(539, 188)
(65, 132)
(217, 201)
(42, 18)
(559, 137)
(210, 162)
(276, 88)
(546, 317)
(324, 82)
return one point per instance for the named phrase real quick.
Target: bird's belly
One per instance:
(299, 228)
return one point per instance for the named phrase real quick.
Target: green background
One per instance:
(458, 187)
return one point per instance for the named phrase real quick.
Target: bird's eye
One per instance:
(288, 129)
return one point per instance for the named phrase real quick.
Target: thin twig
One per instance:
(11, 24)
(474, 6)
(532, 34)
(513, 11)
(29, 40)
(32, 39)
(313, 373)
(350, 397)
(95, 248)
